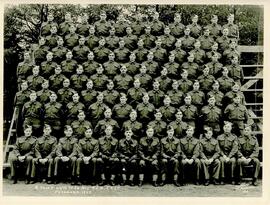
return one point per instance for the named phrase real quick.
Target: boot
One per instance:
(175, 182)
(206, 183)
(49, 180)
(155, 184)
(162, 183)
(123, 183)
(14, 180)
(140, 183)
(102, 182)
(255, 182)
(215, 182)
(33, 181)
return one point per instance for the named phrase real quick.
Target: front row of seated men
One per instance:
(108, 160)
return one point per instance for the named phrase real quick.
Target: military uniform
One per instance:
(120, 28)
(215, 29)
(236, 73)
(168, 42)
(101, 54)
(122, 54)
(130, 41)
(46, 27)
(218, 96)
(192, 69)
(123, 82)
(132, 67)
(223, 42)
(152, 67)
(99, 81)
(79, 127)
(65, 95)
(101, 126)
(160, 54)
(149, 40)
(69, 67)
(111, 68)
(51, 40)
(102, 28)
(135, 126)
(72, 111)
(88, 96)
(96, 111)
(110, 97)
(176, 97)
(179, 127)
(40, 54)
(112, 42)
(83, 28)
(233, 30)
(229, 96)
(59, 53)
(209, 54)
(135, 95)
(225, 83)
(47, 68)
(92, 41)
(185, 85)
(80, 53)
(43, 95)
(190, 114)
(177, 29)
(156, 97)
(53, 114)
(179, 54)
(78, 81)
(23, 70)
(199, 55)
(137, 27)
(90, 67)
(206, 42)
(141, 54)
(167, 112)
(121, 112)
(144, 78)
(214, 68)
(195, 30)
(229, 53)
(71, 40)
(35, 82)
(159, 127)
(164, 82)
(197, 97)
(187, 42)
(173, 69)
(206, 82)
(212, 116)
(157, 27)
(64, 27)
(145, 112)
(56, 81)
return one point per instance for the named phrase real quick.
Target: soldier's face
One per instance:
(158, 43)
(81, 41)
(68, 132)
(110, 85)
(26, 56)
(100, 70)
(188, 100)
(225, 32)
(111, 56)
(195, 19)
(184, 75)
(100, 98)
(178, 44)
(102, 42)
(89, 84)
(171, 58)
(187, 32)
(72, 29)
(158, 116)
(164, 72)
(58, 70)
(234, 60)
(237, 100)
(167, 101)
(69, 55)
(49, 56)
(214, 19)
(28, 132)
(190, 132)
(128, 134)
(170, 133)
(208, 134)
(53, 30)
(167, 31)
(215, 86)
(247, 131)
(24, 86)
(128, 30)
(211, 101)
(145, 98)
(123, 100)
(225, 71)
(150, 56)
(179, 115)
(33, 97)
(207, 32)
(140, 43)
(103, 17)
(227, 128)
(196, 86)
(137, 83)
(206, 71)
(150, 132)
(147, 30)
(121, 44)
(88, 133)
(143, 69)
(45, 85)
(215, 58)
(133, 116)
(123, 70)
(156, 85)
(230, 19)
(79, 70)
(156, 16)
(75, 98)
(108, 114)
(232, 45)
(67, 17)
(112, 31)
(66, 83)
(191, 58)
(108, 130)
(53, 98)
(81, 116)
(35, 71)
(47, 130)
(197, 45)
(60, 42)
(91, 30)
(132, 57)
(90, 56)
(42, 41)
(235, 88)
(177, 18)
(50, 17)
(175, 85)
(215, 47)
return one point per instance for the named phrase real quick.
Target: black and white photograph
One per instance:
(133, 100)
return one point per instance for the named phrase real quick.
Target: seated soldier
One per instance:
(56, 80)
(229, 96)
(198, 52)
(128, 156)
(197, 96)
(92, 40)
(235, 70)
(41, 51)
(223, 40)
(195, 29)
(46, 25)
(141, 52)
(214, 27)
(187, 40)
(78, 80)
(44, 154)
(64, 26)
(167, 110)
(135, 93)
(160, 54)
(24, 68)
(66, 156)
(178, 52)
(148, 38)
(132, 65)
(121, 53)
(80, 125)
(69, 65)
(214, 50)
(101, 125)
(122, 80)
(89, 94)
(111, 67)
(90, 66)
(145, 79)
(65, 93)
(110, 95)
(47, 67)
(72, 108)
(130, 39)
(157, 25)
(164, 80)
(226, 83)
(80, 51)
(59, 52)
(145, 110)
(102, 25)
(35, 80)
(158, 125)
(120, 25)
(248, 153)
(156, 95)
(101, 52)
(179, 125)
(167, 39)
(23, 153)
(88, 150)
(172, 67)
(232, 28)
(185, 84)
(191, 67)
(83, 26)
(216, 93)
(43, 95)
(149, 151)
(134, 125)
(53, 114)
(51, 40)
(209, 153)
(99, 79)
(206, 80)
(151, 65)
(228, 152)
(206, 40)
(190, 111)
(108, 156)
(72, 38)
(32, 113)
(177, 28)
(97, 109)
(170, 154)
(229, 53)
(190, 147)
(112, 41)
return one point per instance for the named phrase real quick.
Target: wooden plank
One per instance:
(251, 82)
(253, 77)
(253, 104)
(254, 90)
(251, 66)
(250, 49)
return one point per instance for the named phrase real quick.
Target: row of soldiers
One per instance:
(109, 160)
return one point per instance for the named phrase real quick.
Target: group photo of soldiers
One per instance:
(133, 101)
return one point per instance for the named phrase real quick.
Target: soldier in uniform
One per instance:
(225, 82)
(206, 80)
(178, 52)
(64, 26)
(158, 125)
(59, 52)
(41, 51)
(248, 152)
(149, 151)
(23, 153)
(209, 154)
(151, 65)
(69, 65)
(164, 81)
(198, 52)
(130, 39)
(108, 156)
(101, 52)
(160, 54)
(167, 110)
(80, 125)
(56, 80)
(99, 79)
(66, 156)
(83, 27)
(78, 80)
(137, 25)
(206, 40)
(177, 28)
(81, 51)
(141, 52)
(88, 150)
(157, 25)
(217, 94)
(172, 67)
(190, 111)
(102, 26)
(120, 25)
(48, 66)
(132, 65)
(224, 40)
(89, 94)
(214, 50)
(53, 114)
(212, 115)
(191, 67)
(145, 79)
(128, 155)
(133, 124)
(110, 95)
(65, 93)
(179, 125)
(170, 154)
(111, 67)
(145, 110)
(92, 40)
(44, 154)
(184, 83)
(235, 70)
(44, 94)
(197, 96)
(214, 27)
(156, 95)
(228, 151)
(90, 66)
(35, 80)
(123, 80)
(229, 96)
(24, 68)
(122, 53)
(195, 29)
(167, 39)
(97, 109)
(72, 38)
(190, 147)
(46, 26)
(233, 28)
(51, 40)
(72, 108)
(135, 93)
(148, 38)
(112, 41)
(215, 66)
(232, 51)
(187, 40)
(32, 113)
(237, 113)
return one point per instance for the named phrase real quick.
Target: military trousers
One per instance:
(256, 166)
(15, 163)
(128, 166)
(36, 165)
(152, 165)
(169, 164)
(105, 164)
(231, 163)
(214, 166)
(195, 166)
(70, 165)
(89, 168)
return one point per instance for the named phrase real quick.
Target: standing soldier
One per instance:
(197, 96)
(164, 81)
(24, 68)
(44, 153)
(48, 66)
(170, 154)
(236, 71)
(41, 51)
(35, 80)
(151, 65)
(172, 67)
(59, 52)
(97, 109)
(157, 25)
(187, 40)
(198, 52)
(215, 66)
(102, 25)
(112, 41)
(111, 67)
(23, 152)
(214, 50)
(190, 112)
(92, 40)
(229, 96)
(108, 159)
(83, 27)
(179, 125)
(214, 27)
(71, 39)
(215, 92)
(167, 39)
(53, 114)
(233, 28)
(156, 95)
(135, 94)
(73, 108)
(132, 65)
(137, 25)
(226, 83)
(178, 52)
(123, 80)
(80, 125)
(224, 40)
(101, 52)
(120, 25)
(145, 110)
(160, 54)
(148, 38)
(66, 156)
(209, 153)
(69, 65)
(110, 95)
(89, 94)
(195, 29)
(149, 151)
(184, 83)
(64, 26)
(128, 155)
(121, 53)
(167, 110)
(78, 80)
(51, 40)
(145, 79)
(206, 40)
(190, 147)
(56, 80)
(46, 26)
(158, 125)
(177, 28)
(229, 147)
(81, 51)
(248, 153)
(130, 39)
(90, 66)
(99, 79)
(191, 67)
(65, 93)
(206, 80)
(141, 52)
(232, 51)
(88, 150)
(44, 94)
